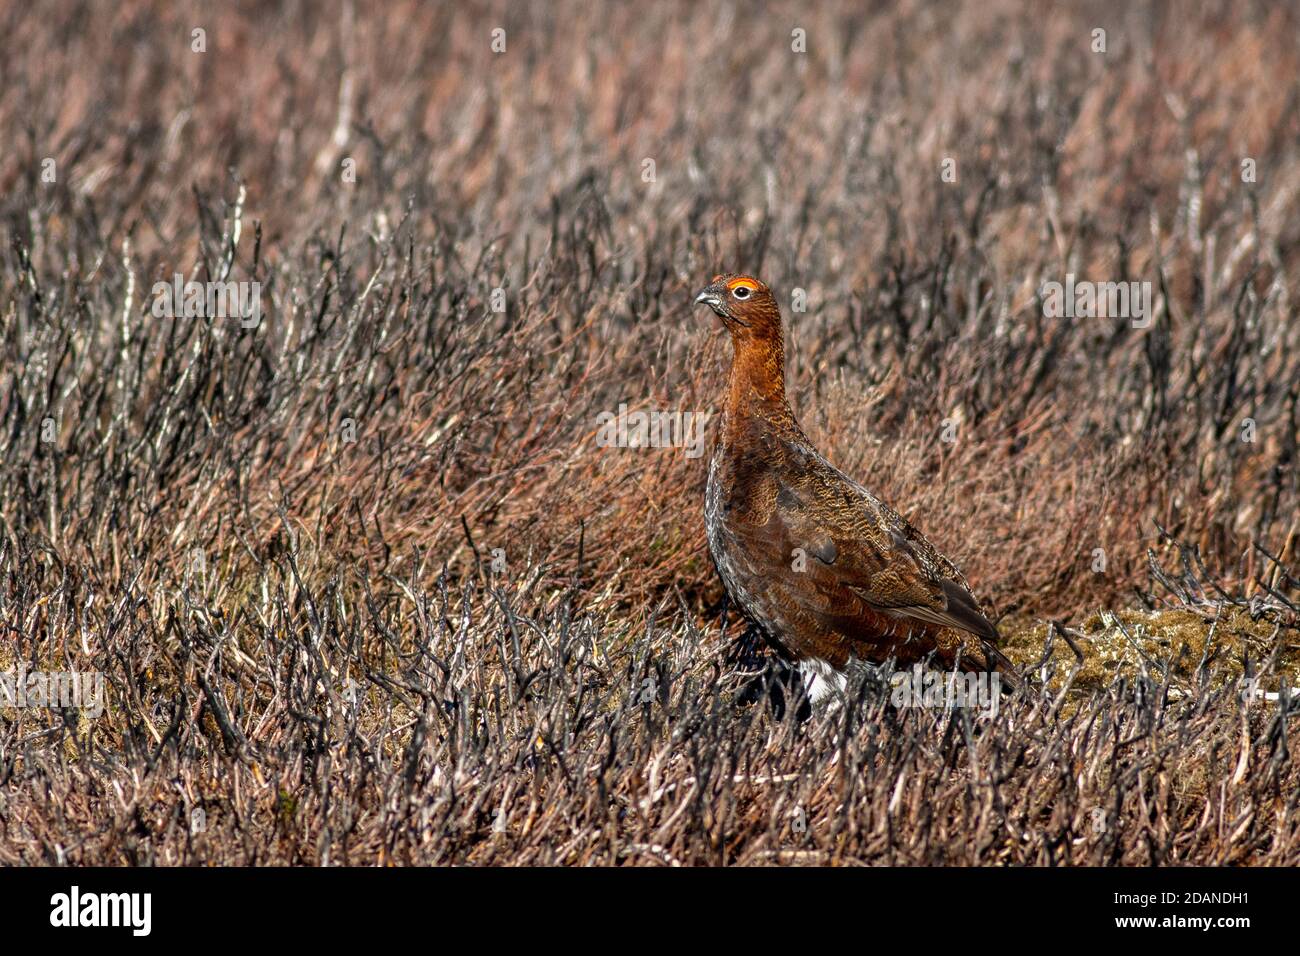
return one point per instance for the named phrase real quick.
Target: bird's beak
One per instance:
(711, 298)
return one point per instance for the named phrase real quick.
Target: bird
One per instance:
(833, 578)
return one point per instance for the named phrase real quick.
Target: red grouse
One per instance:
(830, 574)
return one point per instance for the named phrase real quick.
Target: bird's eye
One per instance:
(741, 292)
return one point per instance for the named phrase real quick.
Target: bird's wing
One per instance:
(859, 551)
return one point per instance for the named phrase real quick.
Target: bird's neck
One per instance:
(756, 386)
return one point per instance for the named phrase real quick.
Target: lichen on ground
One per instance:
(1218, 641)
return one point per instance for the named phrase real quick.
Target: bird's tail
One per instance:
(1000, 664)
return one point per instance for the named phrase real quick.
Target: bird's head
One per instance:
(745, 305)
